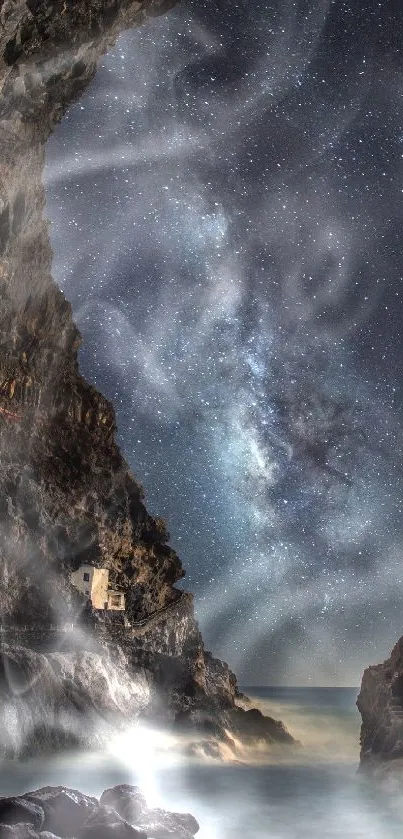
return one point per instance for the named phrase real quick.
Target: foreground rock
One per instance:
(60, 812)
(126, 799)
(231, 732)
(380, 703)
(67, 496)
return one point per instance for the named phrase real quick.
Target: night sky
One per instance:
(226, 204)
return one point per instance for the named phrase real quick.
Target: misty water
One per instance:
(313, 792)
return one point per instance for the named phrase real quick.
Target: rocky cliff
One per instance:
(67, 496)
(380, 703)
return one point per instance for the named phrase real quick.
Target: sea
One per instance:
(312, 791)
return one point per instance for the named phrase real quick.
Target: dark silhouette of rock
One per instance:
(66, 810)
(160, 824)
(131, 804)
(106, 823)
(70, 813)
(229, 725)
(252, 724)
(380, 703)
(127, 800)
(15, 810)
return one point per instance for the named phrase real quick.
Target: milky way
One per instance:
(226, 207)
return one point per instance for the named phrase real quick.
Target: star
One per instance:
(231, 184)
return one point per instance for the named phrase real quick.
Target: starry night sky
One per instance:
(226, 204)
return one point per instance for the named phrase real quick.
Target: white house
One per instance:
(94, 583)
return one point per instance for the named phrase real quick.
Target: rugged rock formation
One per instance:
(68, 698)
(380, 703)
(66, 494)
(121, 813)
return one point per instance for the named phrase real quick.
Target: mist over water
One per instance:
(324, 720)
(311, 792)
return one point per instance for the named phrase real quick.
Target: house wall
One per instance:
(99, 590)
(96, 588)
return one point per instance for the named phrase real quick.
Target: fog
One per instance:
(311, 791)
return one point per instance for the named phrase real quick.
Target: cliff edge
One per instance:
(67, 497)
(380, 703)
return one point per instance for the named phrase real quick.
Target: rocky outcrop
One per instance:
(380, 703)
(66, 494)
(67, 698)
(49, 50)
(121, 813)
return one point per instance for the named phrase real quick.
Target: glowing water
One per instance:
(317, 794)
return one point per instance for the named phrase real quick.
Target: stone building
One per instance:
(94, 583)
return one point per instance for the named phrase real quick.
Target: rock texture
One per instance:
(68, 698)
(380, 703)
(66, 494)
(61, 812)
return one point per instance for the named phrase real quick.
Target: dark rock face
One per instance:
(252, 725)
(18, 831)
(67, 699)
(229, 730)
(127, 800)
(66, 812)
(15, 810)
(66, 494)
(49, 49)
(105, 823)
(163, 825)
(380, 703)
(113, 830)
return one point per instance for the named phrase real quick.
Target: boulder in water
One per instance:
(106, 823)
(65, 809)
(64, 812)
(131, 804)
(161, 824)
(127, 800)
